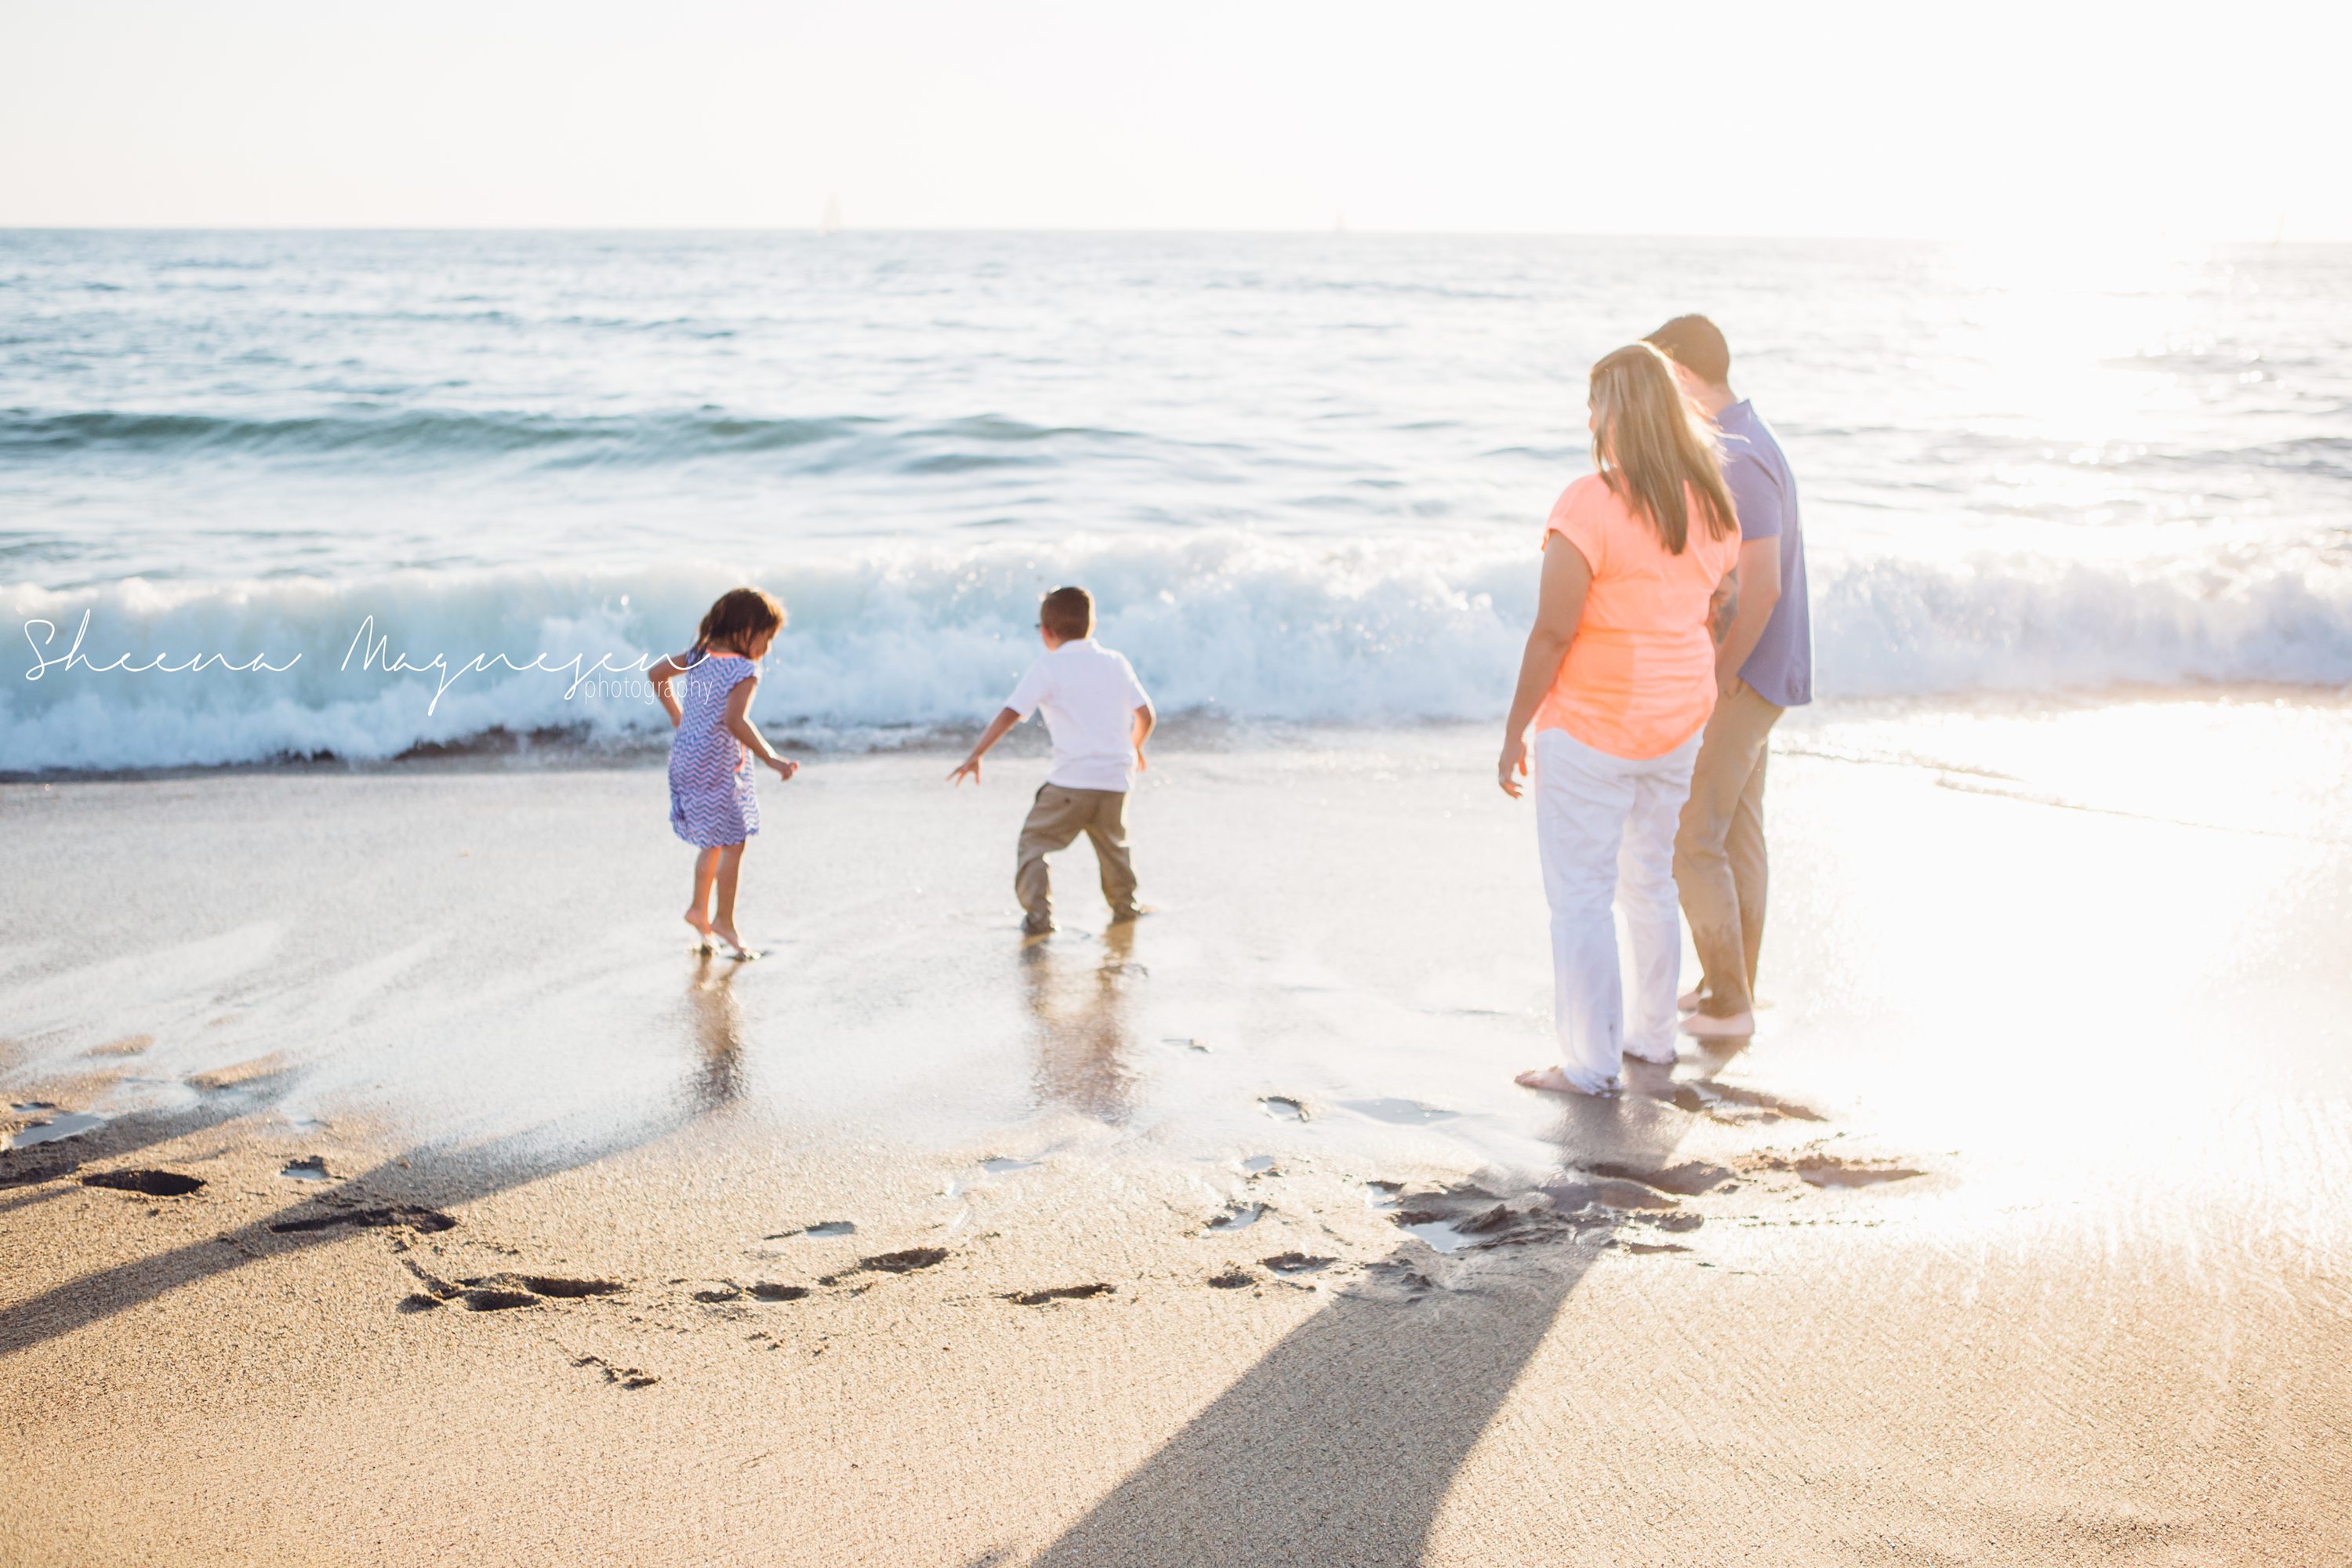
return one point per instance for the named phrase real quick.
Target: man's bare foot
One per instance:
(701, 924)
(1551, 1080)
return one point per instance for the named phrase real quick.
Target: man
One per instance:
(1763, 667)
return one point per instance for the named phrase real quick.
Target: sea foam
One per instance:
(887, 640)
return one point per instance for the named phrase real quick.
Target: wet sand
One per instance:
(2022, 1233)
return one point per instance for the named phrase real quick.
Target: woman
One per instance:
(1618, 680)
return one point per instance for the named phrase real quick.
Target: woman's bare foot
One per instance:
(701, 924)
(1551, 1080)
(735, 948)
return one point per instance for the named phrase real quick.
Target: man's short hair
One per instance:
(1697, 344)
(1068, 614)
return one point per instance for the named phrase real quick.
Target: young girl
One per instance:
(712, 805)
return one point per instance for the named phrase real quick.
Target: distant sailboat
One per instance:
(831, 222)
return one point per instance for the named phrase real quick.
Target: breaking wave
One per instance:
(1226, 625)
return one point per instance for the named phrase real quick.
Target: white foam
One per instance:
(1228, 624)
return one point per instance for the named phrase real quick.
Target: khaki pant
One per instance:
(1719, 862)
(1059, 816)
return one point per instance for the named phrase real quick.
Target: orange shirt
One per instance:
(1639, 680)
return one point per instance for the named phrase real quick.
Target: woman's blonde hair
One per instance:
(1653, 449)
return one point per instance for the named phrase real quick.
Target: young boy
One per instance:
(1099, 717)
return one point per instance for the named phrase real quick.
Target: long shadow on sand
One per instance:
(423, 1181)
(1340, 1445)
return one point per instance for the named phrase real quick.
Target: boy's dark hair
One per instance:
(739, 616)
(1068, 614)
(1697, 344)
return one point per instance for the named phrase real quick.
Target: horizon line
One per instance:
(1347, 232)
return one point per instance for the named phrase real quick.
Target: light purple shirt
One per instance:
(1779, 669)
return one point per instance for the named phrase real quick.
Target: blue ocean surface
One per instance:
(1305, 475)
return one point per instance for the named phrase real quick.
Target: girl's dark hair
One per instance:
(739, 616)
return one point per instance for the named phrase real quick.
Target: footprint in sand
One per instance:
(1237, 1217)
(495, 1300)
(1453, 1218)
(1821, 1171)
(555, 1285)
(389, 1215)
(1060, 1293)
(1737, 1107)
(1282, 1108)
(503, 1292)
(767, 1290)
(1689, 1179)
(1296, 1263)
(904, 1262)
(627, 1376)
(152, 1183)
(1829, 1171)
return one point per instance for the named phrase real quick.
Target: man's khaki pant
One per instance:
(1719, 863)
(1059, 816)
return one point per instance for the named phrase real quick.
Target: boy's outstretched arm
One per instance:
(1006, 718)
(1146, 721)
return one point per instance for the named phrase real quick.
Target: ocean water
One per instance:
(1303, 475)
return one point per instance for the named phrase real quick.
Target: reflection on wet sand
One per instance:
(1078, 1007)
(718, 1015)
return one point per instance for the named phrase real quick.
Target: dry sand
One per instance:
(2022, 1234)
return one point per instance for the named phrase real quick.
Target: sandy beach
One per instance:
(2020, 1233)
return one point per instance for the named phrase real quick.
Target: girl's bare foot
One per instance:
(701, 923)
(735, 948)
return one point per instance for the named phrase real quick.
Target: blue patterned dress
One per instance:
(711, 801)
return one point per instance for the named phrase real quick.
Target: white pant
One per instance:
(1606, 826)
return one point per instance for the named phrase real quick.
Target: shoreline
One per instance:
(1171, 1296)
(571, 747)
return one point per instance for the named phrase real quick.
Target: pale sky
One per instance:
(2007, 121)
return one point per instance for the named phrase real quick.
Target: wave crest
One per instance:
(1220, 624)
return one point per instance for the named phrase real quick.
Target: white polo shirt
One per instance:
(1089, 695)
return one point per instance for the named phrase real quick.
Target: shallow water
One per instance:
(2108, 975)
